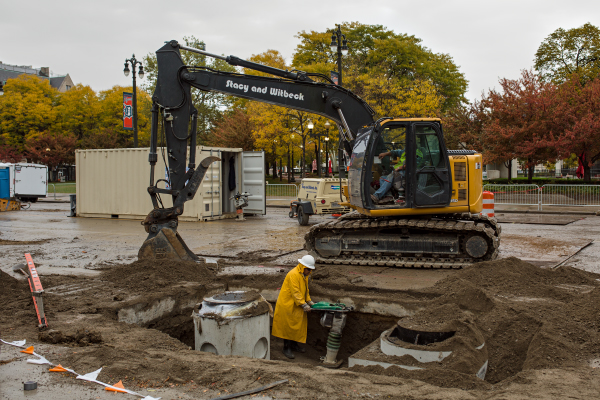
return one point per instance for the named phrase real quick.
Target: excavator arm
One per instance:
(172, 105)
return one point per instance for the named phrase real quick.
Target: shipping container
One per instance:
(113, 183)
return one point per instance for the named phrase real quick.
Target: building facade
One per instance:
(62, 83)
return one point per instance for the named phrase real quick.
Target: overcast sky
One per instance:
(90, 40)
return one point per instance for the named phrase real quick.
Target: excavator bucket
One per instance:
(163, 241)
(166, 245)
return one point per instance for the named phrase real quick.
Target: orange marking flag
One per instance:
(28, 350)
(58, 368)
(116, 385)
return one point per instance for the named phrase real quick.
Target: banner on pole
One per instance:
(335, 77)
(127, 111)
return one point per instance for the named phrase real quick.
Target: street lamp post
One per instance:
(133, 61)
(339, 44)
(293, 179)
(310, 128)
(327, 125)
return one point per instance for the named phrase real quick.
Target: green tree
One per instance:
(210, 105)
(374, 50)
(572, 51)
(26, 109)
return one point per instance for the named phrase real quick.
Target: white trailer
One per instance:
(26, 181)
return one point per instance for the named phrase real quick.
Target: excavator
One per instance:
(430, 217)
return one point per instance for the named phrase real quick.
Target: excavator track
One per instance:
(435, 241)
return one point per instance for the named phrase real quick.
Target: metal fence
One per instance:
(570, 195)
(278, 191)
(547, 195)
(515, 194)
(61, 188)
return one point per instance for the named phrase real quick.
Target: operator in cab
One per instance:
(290, 321)
(397, 173)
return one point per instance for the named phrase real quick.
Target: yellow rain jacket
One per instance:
(290, 320)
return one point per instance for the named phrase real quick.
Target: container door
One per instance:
(4, 183)
(211, 185)
(253, 181)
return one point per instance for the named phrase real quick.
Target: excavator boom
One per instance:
(173, 110)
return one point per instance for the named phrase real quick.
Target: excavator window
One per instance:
(429, 158)
(390, 145)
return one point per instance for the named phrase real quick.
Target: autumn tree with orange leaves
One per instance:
(578, 117)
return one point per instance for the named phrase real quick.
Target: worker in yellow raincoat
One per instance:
(290, 321)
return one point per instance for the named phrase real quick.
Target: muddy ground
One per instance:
(540, 325)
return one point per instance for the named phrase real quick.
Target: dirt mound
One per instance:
(518, 278)
(531, 318)
(81, 337)
(435, 376)
(152, 275)
(10, 286)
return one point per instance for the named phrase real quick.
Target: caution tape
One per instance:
(90, 377)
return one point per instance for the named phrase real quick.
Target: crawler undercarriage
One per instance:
(440, 241)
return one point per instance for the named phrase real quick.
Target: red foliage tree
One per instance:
(579, 111)
(10, 154)
(52, 149)
(522, 121)
(234, 130)
(464, 127)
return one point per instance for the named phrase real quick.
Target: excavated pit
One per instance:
(174, 317)
(530, 318)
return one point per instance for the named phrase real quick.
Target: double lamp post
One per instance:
(339, 46)
(133, 61)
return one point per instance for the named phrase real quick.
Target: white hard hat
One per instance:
(308, 261)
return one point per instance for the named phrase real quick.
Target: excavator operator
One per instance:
(396, 175)
(290, 321)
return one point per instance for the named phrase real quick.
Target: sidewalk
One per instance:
(60, 198)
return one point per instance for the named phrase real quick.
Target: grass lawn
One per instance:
(61, 187)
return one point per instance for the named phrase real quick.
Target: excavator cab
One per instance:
(402, 164)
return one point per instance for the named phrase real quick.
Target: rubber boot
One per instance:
(296, 347)
(287, 349)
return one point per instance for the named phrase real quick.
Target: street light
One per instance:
(126, 71)
(327, 126)
(339, 44)
(310, 128)
(292, 179)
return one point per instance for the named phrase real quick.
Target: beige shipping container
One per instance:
(113, 183)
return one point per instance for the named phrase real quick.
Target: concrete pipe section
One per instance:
(455, 344)
(233, 323)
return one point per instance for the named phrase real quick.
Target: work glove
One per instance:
(306, 307)
(310, 303)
